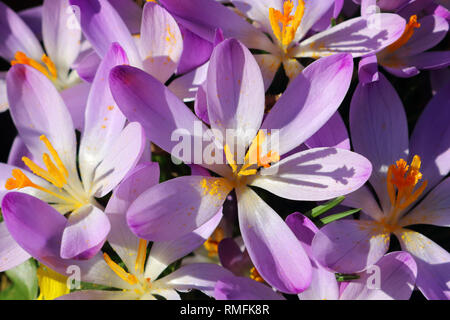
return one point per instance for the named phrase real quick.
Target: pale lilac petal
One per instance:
(37, 108)
(313, 12)
(10, 252)
(103, 118)
(332, 134)
(368, 69)
(324, 285)
(349, 246)
(200, 276)
(310, 100)
(364, 198)
(121, 157)
(292, 68)
(273, 248)
(242, 288)
(433, 264)
(16, 36)
(121, 239)
(163, 253)
(99, 295)
(433, 209)
(235, 91)
(203, 17)
(269, 65)
(358, 36)
(161, 42)
(185, 87)
(33, 18)
(180, 205)
(4, 105)
(75, 99)
(430, 139)
(315, 174)
(86, 64)
(397, 276)
(39, 232)
(61, 40)
(17, 151)
(201, 104)
(379, 130)
(85, 233)
(102, 25)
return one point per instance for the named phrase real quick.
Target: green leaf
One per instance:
(317, 211)
(338, 216)
(24, 282)
(333, 22)
(346, 277)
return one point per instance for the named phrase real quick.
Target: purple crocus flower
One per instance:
(397, 272)
(408, 194)
(235, 96)
(36, 233)
(46, 128)
(62, 43)
(287, 23)
(408, 54)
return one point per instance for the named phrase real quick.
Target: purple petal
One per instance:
(17, 151)
(130, 12)
(10, 252)
(16, 36)
(332, 134)
(241, 288)
(364, 198)
(433, 209)
(61, 40)
(85, 233)
(37, 108)
(235, 91)
(186, 86)
(431, 136)
(310, 100)
(379, 130)
(33, 18)
(200, 276)
(176, 207)
(273, 248)
(433, 264)
(431, 60)
(232, 258)
(269, 65)
(349, 246)
(358, 36)
(397, 276)
(102, 117)
(368, 69)
(86, 64)
(121, 157)
(161, 42)
(315, 174)
(102, 25)
(75, 99)
(163, 253)
(120, 237)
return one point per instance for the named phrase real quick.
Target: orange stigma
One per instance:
(407, 34)
(49, 70)
(289, 23)
(404, 178)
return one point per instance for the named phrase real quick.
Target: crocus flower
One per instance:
(46, 128)
(235, 95)
(411, 191)
(62, 43)
(36, 233)
(397, 272)
(408, 54)
(287, 23)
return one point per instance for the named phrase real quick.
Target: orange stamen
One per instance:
(407, 34)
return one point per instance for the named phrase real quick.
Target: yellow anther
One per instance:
(50, 72)
(407, 34)
(289, 23)
(140, 259)
(128, 277)
(230, 158)
(212, 244)
(54, 155)
(254, 274)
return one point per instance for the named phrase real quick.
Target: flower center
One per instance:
(289, 23)
(49, 70)
(254, 157)
(142, 286)
(401, 185)
(212, 244)
(56, 174)
(407, 34)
